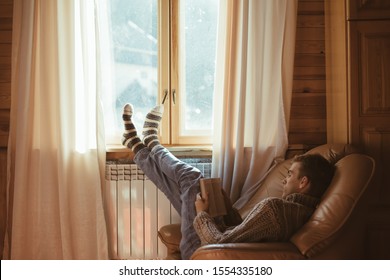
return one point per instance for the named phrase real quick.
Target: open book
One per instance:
(213, 187)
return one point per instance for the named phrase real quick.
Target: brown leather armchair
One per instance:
(335, 230)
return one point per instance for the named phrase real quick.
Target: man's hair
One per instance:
(318, 170)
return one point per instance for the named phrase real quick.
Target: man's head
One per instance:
(310, 174)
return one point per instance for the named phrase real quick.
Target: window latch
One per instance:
(165, 96)
(174, 96)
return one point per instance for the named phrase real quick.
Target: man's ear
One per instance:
(304, 183)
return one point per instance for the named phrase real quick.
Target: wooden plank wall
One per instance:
(308, 111)
(6, 9)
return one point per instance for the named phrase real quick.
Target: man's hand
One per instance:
(202, 203)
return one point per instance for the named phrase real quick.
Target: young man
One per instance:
(273, 219)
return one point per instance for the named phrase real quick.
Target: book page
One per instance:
(213, 187)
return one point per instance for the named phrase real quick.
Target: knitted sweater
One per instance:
(272, 219)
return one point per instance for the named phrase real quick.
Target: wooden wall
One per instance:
(308, 111)
(6, 8)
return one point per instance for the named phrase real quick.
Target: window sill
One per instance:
(116, 152)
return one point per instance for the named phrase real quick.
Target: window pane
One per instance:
(199, 19)
(135, 45)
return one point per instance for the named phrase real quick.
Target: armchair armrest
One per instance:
(170, 235)
(248, 251)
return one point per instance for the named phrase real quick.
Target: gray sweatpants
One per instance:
(179, 181)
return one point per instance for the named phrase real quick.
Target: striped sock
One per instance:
(130, 138)
(152, 122)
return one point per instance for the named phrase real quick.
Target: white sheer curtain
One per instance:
(253, 91)
(56, 148)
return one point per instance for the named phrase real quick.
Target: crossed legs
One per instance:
(178, 180)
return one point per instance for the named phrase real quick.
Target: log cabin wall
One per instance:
(6, 11)
(308, 107)
(308, 112)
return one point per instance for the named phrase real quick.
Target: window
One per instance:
(163, 50)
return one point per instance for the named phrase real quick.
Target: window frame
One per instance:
(169, 84)
(177, 100)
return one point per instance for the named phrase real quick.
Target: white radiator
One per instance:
(135, 210)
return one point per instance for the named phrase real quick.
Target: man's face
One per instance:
(292, 180)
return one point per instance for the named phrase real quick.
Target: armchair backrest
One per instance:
(272, 185)
(352, 175)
